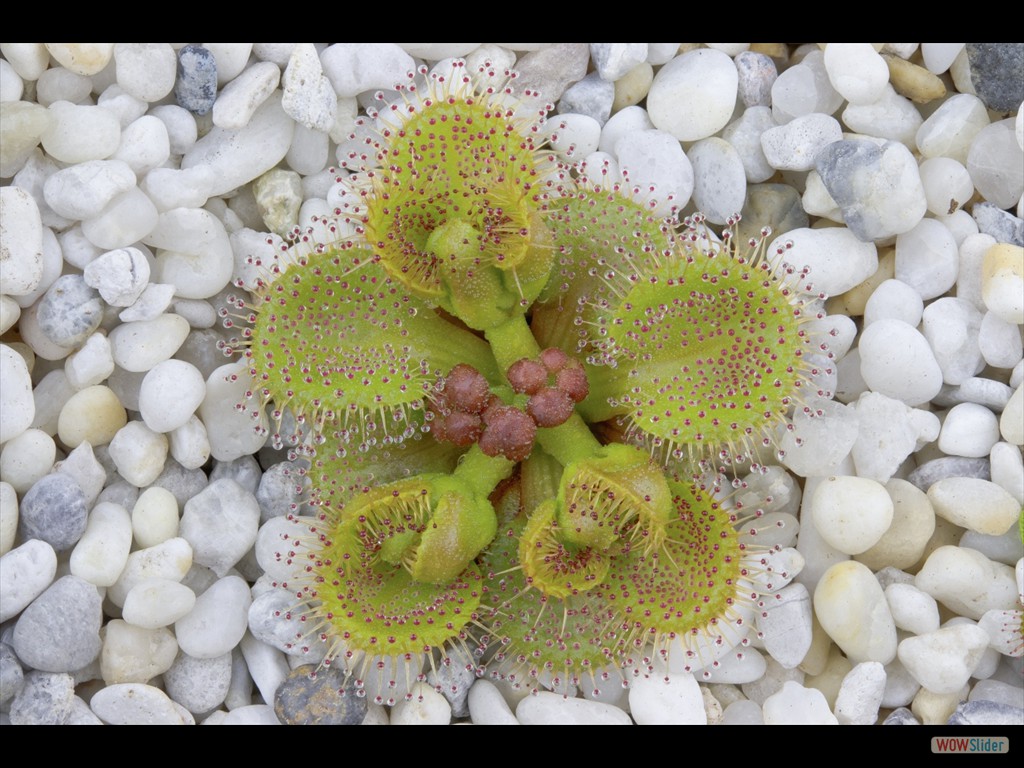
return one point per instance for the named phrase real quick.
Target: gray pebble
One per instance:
(275, 619)
(244, 470)
(69, 311)
(987, 392)
(196, 87)
(996, 74)
(81, 713)
(198, 685)
(45, 699)
(321, 700)
(53, 510)
(182, 483)
(121, 492)
(948, 466)
(11, 674)
(454, 676)
(774, 205)
(591, 96)
(1002, 225)
(282, 490)
(60, 630)
(757, 74)
(553, 69)
(983, 712)
(901, 716)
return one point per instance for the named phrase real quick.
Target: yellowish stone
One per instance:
(852, 302)
(913, 81)
(82, 58)
(92, 415)
(1002, 281)
(633, 86)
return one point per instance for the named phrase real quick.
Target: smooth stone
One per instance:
(81, 132)
(816, 444)
(837, 261)
(21, 265)
(860, 694)
(60, 630)
(987, 713)
(487, 706)
(230, 159)
(655, 163)
(18, 404)
(102, 552)
(889, 432)
(950, 129)
(119, 275)
(803, 89)
(942, 661)
(54, 510)
(851, 607)
(912, 526)
(894, 299)
(91, 364)
(851, 513)
(744, 134)
(232, 432)
(217, 622)
(877, 187)
(170, 394)
(136, 704)
(319, 697)
(632, 88)
(996, 164)
(26, 458)
(951, 326)
(891, 117)
(44, 699)
(25, 573)
(704, 80)
(897, 361)
(1011, 423)
(948, 466)
(719, 179)
(547, 708)
(913, 611)
(170, 560)
(138, 453)
(93, 415)
(967, 582)
(354, 68)
(979, 505)
(674, 699)
(22, 125)
(128, 218)
(156, 603)
(992, 68)
(238, 101)
(1007, 469)
(82, 191)
(856, 71)
(613, 60)
(786, 624)
(69, 311)
(1003, 282)
(794, 146)
(194, 252)
(796, 705)
(592, 96)
(579, 135)
(145, 70)
(135, 655)
(221, 524)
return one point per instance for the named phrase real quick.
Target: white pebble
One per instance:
(794, 146)
(852, 609)
(144, 145)
(976, 504)
(154, 517)
(218, 621)
(951, 326)
(136, 704)
(897, 361)
(786, 624)
(154, 300)
(889, 432)
(21, 232)
(999, 341)
(655, 162)
(82, 191)
(693, 96)
(138, 453)
(1011, 423)
(81, 132)
(1002, 282)
(719, 179)
(744, 134)
(951, 128)
(197, 257)
(674, 699)
(232, 433)
(425, 707)
(1008, 469)
(851, 513)
(170, 559)
(796, 705)
(817, 444)
(240, 98)
(26, 458)
(890, 117)
(967, 582)
(947, 185)
(120, 275)
(354, 68)
(896, 300)
(487, 706)
(180, 124)
(996, 164)
(547, 708)
(803, 89)
(170, 394)
(145, 70)
(836, 258)
(140, 346)
(221, 523)
(577, 135)
(308, 96)
(91, 364)
(25, 573)
(969, 430)
(190, 445)
(943, 661)
(856, 71)
(102, 552)
(133, 654)
(913, 611)
(860, 694)
(128, 218)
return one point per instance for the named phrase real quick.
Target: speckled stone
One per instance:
(901, 716)
(45, 699)
(196, 88)
(69, 311)
(54, 510)
(996, 74)
(948, 466)
(306, 700)
(986, 713)
(60, 630)
(12, 676)
(1002, 225)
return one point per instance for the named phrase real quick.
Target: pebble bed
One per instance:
(139, 509)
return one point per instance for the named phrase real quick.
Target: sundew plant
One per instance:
(522, 395)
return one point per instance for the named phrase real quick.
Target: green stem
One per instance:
(482, 472)
(511, 340)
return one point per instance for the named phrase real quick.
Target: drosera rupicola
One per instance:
(454, 345)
